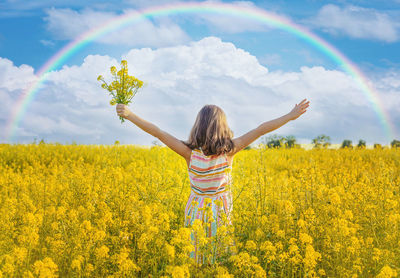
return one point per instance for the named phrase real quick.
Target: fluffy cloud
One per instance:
(221, 22)
(69, 24)
(66, 24)
(231, 23)
(71, 105)
(356, 22)
(55, 111)
(13, 80)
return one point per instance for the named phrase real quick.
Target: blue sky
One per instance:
(367, 32)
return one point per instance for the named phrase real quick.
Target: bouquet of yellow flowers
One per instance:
(124, 87)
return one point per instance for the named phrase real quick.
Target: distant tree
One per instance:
(34, 141)
(290, 141)
(321, 141)
(347, 144)
(273, 141)
(116, 142)
(361, 144)
(395, 144)
(377, 146)
(74, 143)
(42, 142)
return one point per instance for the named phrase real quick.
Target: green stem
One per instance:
(123, 82)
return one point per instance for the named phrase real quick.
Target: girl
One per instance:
(209, 156)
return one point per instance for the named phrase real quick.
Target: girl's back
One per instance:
(209, 175)
(210, 178)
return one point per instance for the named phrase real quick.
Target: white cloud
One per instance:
(356, 22)
(231, 23)
(47, 42)
(13, 77)
(390, 81)
(222, 22)
(13, 80)
(226, 23)
(66, 24)
(271, 59)
(181, 79)
(206, 58)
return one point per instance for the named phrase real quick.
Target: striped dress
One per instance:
(210, 178)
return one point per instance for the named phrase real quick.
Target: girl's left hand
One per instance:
(299, 109)
(123, 110)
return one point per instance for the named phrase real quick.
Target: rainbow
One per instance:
(253, 13)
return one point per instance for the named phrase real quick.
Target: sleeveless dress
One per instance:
(210, 177)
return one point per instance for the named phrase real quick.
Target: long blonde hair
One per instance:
(211, 132)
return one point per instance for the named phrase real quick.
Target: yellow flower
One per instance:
(280, 233)
(76, 264)
(387, 272)
(305, 238)
(251, 245)
(178, 271)
(102, 252)
(170, 250)
(301, 223)
(45, 268)
(376, 254)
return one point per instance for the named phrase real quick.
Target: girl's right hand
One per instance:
(299, 109)
(123, 110)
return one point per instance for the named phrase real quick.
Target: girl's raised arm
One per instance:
(169, 140)
(246, 139)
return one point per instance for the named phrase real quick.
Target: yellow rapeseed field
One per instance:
(118, 211)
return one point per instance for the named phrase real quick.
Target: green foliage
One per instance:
(377, 146)
(361, 144)
(290, 141)
(395, 143)
(321, 141)
(347, 144)
(274, 141)
(277, 141)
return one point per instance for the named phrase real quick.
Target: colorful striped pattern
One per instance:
(210, 178)
(209, 175)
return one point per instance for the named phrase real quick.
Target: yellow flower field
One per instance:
(118, 211)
